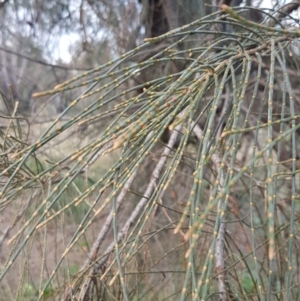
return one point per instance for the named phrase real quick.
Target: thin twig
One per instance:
(40, 61)
(219, 250)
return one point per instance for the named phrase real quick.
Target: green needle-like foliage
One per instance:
(210, 214)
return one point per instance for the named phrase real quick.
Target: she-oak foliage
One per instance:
(215, 220)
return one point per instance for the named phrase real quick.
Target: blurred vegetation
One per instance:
(161, 162)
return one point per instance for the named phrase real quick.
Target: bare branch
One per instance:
(138, 209)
